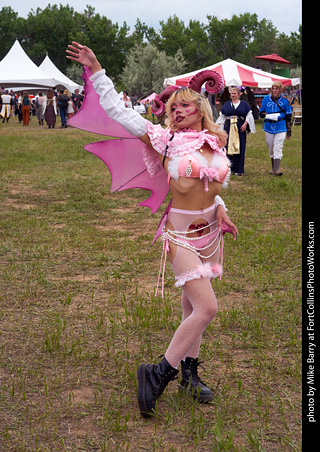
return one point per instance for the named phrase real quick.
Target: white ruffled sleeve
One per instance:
(250, 121)
(219, 202)
(221, 120)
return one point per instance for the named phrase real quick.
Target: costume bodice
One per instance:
(184, 151)
(196, 165)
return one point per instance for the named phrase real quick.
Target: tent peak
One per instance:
(17, 69)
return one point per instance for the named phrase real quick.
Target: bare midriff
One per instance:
(189, 194)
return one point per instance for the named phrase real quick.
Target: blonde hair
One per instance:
(278, 85)
(202, 103)
(234, 88)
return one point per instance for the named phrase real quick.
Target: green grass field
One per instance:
(78, 312)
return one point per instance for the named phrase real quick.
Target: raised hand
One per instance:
(83, 55)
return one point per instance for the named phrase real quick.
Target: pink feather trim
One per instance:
(202, 271)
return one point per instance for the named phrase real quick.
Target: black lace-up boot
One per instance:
(191, 381)
(152, 381)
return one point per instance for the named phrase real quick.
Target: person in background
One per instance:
(243, 95)
(6, 105)
(71, 107)
(212, 101)
(33, 108)
(126, 100)
(40, 99)
(225, 96)
(50, 109)
(292, 97)
(14, 109)
(26, 108)
(77, 99)
(19, 106)
(235, 116)
(62, 100)
(252, 102)
(134, 100)
(276, 113)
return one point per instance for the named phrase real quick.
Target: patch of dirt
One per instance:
(16, 205)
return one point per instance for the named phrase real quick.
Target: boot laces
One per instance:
(163, 383)
(193, 372)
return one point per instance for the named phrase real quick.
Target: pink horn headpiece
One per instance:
(214, 81)
(159, 102)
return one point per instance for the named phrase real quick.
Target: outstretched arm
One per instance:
(109, 99)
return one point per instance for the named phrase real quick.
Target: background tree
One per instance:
(107, 40)
(291, 46)
(48, 30)
(172, 36)
(10, 28)
(241, 38)
(196, 45)
(264, 42)
(143, 34)
(74, 73)
(192, 40)
(146, 67)
(197, 52)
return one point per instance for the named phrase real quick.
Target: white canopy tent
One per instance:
(17, 69)
(236, 74)
(49, 68)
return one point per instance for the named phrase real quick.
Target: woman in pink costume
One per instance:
(191, 150)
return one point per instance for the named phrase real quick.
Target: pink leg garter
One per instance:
(202, 271)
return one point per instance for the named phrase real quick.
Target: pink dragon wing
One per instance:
(124, 159)
(91, 117)
(123, 156)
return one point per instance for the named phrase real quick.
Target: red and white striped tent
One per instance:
(236, 74)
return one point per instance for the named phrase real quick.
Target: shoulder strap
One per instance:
(165, 152)
(275, 100)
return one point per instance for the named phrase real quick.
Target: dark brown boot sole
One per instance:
(141, 376)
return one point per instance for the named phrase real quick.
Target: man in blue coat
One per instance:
(276, 113)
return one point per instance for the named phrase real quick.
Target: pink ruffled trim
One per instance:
(159, 137)
(184, 141)
(202, 271)
(151, 160)
(188, 141)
